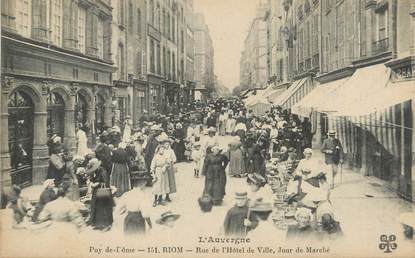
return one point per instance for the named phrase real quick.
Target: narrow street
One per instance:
(364, 208)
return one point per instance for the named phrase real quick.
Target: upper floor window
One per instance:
(382, 18)
(100, 38)
(121, 14)
(130, 17)
(163, 25)
(168, 25)
(173, 29)
(152, 12)
(182, 41)
(56, 22)
(81, 29)
(158, 59)
(120, 62)
(152, 57)
(139, 63)
(138, 21)
(157, 19)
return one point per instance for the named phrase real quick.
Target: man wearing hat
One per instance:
(211, 120)
(151, 146)
(333, 151)
(239, 220)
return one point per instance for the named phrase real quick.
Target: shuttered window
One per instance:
(130, 17)
(100, 39)
(81, 29)
(56, 22)
(139, 21)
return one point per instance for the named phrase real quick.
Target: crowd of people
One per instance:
(287, 189)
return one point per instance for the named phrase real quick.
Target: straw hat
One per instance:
(241, 195)
(332, 132)
(168, 214)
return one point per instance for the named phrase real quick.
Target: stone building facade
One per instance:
(203, 58)
(56, 76)
(254, 56)
(334, 44)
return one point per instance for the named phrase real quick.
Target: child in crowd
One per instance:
(196, 157)
(188, 149)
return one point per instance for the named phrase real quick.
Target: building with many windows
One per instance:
(339, 57)
(129, 51)
(166, 57)
(203, 58)
(253, 64)
(56, 76)
(189, 52)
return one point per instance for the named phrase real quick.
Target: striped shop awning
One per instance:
(314, 99)
(302, 89)
(390, 126)
(293, 94)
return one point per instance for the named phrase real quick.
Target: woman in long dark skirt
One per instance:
(101, 206)
(259, 154)
(120, 175)
(178, 145)
(215, 176)
(250, 147)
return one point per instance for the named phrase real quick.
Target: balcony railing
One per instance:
(380, 46)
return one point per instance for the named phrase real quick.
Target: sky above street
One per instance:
(228, 22)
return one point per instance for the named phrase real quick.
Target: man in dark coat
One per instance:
(211, 121)
(151, 146)
(307, 132)
(333, 151)
(239, 220)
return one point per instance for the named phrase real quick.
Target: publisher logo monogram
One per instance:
(387, 243)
